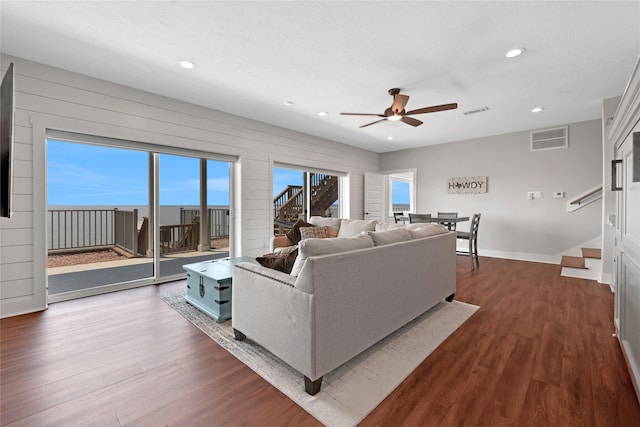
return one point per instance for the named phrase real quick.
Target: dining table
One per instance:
(448, 220)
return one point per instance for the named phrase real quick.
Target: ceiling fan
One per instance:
(396, 111)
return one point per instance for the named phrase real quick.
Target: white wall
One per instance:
(511, 225)
(51, 98)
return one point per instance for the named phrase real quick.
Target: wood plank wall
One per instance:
(52, 98)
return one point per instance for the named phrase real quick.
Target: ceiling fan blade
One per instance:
(361, 114)
(399, 101)
(433, 109)
(411, 121)
(372, 123)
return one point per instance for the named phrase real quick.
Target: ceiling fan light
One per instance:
(187, 64)
(515, 52)
(394, 118)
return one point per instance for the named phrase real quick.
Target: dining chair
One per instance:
(399, 217)
(414, 218)
(472, 237)
(450, 225)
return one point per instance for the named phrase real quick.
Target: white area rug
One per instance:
(353, 390)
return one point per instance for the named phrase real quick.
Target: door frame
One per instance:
(154, 152)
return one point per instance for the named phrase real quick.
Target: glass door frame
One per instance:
(343, 183)
(154, 199)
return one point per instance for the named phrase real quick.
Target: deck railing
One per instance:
(179, 237)
(80, 228)
(70, 229)
(125, 227)
(218, 220)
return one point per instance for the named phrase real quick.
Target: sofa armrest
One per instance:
(269, 310)
(265, 274)
(280, 242)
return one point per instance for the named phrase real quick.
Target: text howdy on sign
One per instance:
(468, 184)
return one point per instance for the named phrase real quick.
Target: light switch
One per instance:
(534, 195)
(558, 195)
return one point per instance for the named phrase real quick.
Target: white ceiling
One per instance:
(336, 57)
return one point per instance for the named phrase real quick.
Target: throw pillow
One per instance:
(294, 233)
(331, 232)
(321, 221)
(353, 227)
(314, 232)
(282, 260)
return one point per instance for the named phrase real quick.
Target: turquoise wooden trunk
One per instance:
(209, 286)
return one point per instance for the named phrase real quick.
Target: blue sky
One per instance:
(400, 192)
(284, 177)
(82, 174)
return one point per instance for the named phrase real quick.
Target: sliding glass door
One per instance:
(128, 216)
(193, 212)
(97, 203)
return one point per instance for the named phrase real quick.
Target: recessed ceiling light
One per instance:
(187, 64)
(536, 109)
(389, 138)
(515, 52)
(288, 103)
(322, 113)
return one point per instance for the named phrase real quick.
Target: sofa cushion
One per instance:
(353, 227)
(312, 247)
(321, 221)
(281, 260)
(426, 230)
(294, 233)
(390, 236)
(384, 226)
(314, 232)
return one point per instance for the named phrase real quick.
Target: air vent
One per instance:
(476, 111)
(550, 139)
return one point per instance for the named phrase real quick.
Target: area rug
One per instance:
(353, 390)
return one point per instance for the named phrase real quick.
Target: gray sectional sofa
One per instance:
(344, 294)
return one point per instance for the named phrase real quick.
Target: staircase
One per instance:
(587, 266)
(324, 193)
(288, 206)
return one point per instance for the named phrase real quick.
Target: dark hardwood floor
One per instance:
(539, 352)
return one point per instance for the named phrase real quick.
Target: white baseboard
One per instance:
(521, 256)
(605, 278)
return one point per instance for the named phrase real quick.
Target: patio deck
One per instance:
(85, 276)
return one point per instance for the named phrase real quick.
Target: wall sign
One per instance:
(467, 185)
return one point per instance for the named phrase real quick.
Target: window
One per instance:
(401, 192)
(299, 193)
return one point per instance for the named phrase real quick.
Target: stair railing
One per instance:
(288, 205)
(585, 199)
